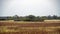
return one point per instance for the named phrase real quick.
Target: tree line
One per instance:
(30, 18)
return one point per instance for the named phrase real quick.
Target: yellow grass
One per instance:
(52, 21)
(18, 29)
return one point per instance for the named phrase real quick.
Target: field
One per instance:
(15, 27)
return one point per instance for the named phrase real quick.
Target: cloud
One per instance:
(26, 7)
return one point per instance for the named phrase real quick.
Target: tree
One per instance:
(49, 17)
(54, 17)
(30, 18)
(43, 17)
(16, 18)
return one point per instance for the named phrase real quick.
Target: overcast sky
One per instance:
(29, 7)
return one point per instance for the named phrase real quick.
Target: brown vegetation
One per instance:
(29, 28)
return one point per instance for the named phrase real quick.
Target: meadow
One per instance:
(23, 27)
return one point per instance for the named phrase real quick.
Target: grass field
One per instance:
(21, 27)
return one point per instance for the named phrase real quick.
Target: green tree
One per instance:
(30, 18)
(54, 17)
(16, 18)
(49, 17)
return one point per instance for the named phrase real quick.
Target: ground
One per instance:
(18, 27)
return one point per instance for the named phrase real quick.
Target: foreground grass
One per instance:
(18, 29)
(38, 27)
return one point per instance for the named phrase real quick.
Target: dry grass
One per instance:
(52, 21)
(29, 27)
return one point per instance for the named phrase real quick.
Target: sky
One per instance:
(29, 7)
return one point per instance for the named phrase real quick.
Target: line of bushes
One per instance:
(30, 18)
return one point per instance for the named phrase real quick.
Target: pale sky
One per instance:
(29, 7)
